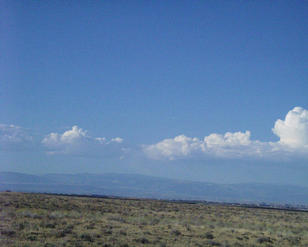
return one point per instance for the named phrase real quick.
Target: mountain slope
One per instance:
(132, 185)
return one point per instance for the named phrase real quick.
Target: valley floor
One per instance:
(50, 220)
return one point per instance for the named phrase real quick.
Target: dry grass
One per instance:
(48, 220)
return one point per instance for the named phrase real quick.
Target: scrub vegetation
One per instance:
(53, 220)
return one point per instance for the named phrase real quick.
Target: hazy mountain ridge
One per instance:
(134, 185)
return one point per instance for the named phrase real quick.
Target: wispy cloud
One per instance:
(14, 138)
(292, 131)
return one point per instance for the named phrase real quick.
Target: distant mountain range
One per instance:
(133, 185)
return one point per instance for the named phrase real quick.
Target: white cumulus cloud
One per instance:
(236, 144)
(70, 137)
(180, 146)
(293, 134)
(293, 130)
(227, 140)
(76, 141)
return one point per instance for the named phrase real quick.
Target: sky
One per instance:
(211, 91)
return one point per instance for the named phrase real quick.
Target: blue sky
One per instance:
(153, 87)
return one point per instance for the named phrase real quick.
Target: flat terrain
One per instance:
(50, 220)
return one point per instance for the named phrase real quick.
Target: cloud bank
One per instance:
(76, 141)
(292, 133)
